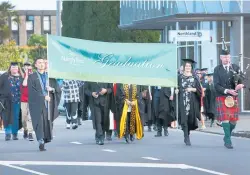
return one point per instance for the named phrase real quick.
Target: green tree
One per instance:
(37, 40)
(99, 20)
(6, 11)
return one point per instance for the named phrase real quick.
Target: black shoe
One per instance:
(228, 146)
(126, 139)
(159, 134)
(101, 142)
(31, 137)
(14, 137)
(41, 147)
(7, 137)
(25, 134)
(149, 129)
(108, 137)
(75, 126)
(166, 132)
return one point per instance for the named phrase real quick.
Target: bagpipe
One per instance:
(237, 75)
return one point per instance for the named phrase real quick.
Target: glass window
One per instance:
(230, 6)
(213, 6)
(46, 23)
(29, 25)
(190, 52)
(227, 31)
(195, 6)
(246, 6)
(219, 31)
(14, 25)
(182, 53)
(181, 7)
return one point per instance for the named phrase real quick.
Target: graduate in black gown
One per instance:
(39, 98)
(210, 99)
(189, 100)
(100, 94)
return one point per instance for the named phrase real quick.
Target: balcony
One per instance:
(149, 14)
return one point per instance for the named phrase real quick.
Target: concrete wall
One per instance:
(22, 31)
(37, 25)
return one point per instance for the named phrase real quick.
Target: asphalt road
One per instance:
(75, 152)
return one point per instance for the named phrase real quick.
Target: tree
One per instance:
(99, 20)
(6, 11)
(37, 40)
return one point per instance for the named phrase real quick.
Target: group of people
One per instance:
(30, 100)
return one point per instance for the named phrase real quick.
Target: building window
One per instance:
(14, 24)
(29, 23)
(190, 52)
(15, 36)
(46, 23)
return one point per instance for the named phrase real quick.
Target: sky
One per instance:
(33, 4)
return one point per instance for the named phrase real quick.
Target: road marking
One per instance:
(77, 143)
(150, 158)
(109, 150)
(111, 164)
(24, 169)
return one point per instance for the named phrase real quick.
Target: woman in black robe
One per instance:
(189, 100)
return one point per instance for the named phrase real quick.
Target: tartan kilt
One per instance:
(225, 113)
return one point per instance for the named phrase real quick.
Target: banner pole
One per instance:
(48, 85)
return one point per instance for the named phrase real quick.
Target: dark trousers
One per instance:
(160, 123)
(71, 111)
(128, 124)
(186, 130)
(99, 120)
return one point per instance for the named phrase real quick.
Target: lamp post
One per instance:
(58, 17)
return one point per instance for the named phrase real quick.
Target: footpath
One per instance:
(242, 128)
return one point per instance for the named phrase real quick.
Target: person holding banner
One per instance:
(189, 99)
(39, 99)
(128, 104)
(100, 94)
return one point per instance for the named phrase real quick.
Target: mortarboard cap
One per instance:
(27, 64)
(14, 63)
(204, 69)
(210, 74)
(189, 61)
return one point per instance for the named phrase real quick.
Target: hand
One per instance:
(190, 89)
(94, 94)
(171, 97)
(239, 87)
(47, 98)
(176, 91)
(103, 91)
(144, 95)
(128, 102)
(133, 103)
(232, 92)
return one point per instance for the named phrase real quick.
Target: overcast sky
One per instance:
(33, 4)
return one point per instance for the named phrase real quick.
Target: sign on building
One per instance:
(189, 35)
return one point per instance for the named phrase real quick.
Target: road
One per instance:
(75, 152)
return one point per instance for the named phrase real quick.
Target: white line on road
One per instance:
(24, 169)
(150, 158)
(109, 150)
(77, 143)
(111, 164)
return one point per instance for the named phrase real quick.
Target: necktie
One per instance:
(226, 68)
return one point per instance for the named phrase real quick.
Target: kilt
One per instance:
(225, 113)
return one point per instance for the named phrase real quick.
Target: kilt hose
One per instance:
(225, 113)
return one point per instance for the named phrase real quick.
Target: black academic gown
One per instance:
(209, 101)
(84, 102)
(146, 110)
(103, 100)
(55, 98)
(6, 111)
(166, 106)
(41, 123)
(195, 107)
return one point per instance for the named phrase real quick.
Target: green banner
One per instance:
(128, 63)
